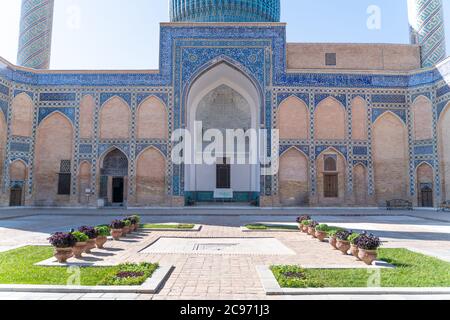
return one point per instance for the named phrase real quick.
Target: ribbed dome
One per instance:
(225, 10)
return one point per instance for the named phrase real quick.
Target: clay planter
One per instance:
(311, 231)
(90, 244)
(368, 256)
(62, 254)
(321, 235)
(100, 242)
(116, 233)
(343, 246)
(333, 242)
(78, 249)
(304, 229)
(125, 231)
(136, 227)
(354, 250)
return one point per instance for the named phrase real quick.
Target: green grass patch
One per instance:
(17, 267)
(259, 226)
(412, 270)
(181, 226)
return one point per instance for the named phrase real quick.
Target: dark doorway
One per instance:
(331, 186)
(223, 175)
(426, 195)
(15, 198)
(118, 188)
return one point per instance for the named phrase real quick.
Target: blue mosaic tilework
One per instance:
(377, 112)
(4, 107)
(105, 96)
(85, 148)
(17, 92)
(302, 148)
(417, 163)
(20, 147)
(443, 90)
(142, 96)
(393, 98)
(421, 150)
(441, 107)
(56, 96)
(341, 149)
(283, 96)
(44, 112)
(161, 147)
(341, 98)
(4, 89)
(360, 151)
(124, 147)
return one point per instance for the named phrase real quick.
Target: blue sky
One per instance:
(119, 34)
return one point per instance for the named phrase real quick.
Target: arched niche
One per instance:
(115, 118)
(329, 120)
(22, 115)
(293, 119)
(293, 178)
(152, 119)
(150, 177)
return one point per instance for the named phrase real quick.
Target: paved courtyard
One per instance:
(211, 275)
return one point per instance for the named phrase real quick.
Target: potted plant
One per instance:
(301, 219)
(332, 236)
(92, 235)
(102, 236)
(353, 247)
(63, 244)
(80, 245)
(138, 222)
(116, 229)
(312, 228)
(305, 225)
(126, 227)
(342, 242)
(367, 247)
(321, 232)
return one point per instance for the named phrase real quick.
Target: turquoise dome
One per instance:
(225, 10)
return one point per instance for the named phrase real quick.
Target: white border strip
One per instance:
(196, 228)
(245, 229)
(272, 288)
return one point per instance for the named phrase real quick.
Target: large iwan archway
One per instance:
(223, 98)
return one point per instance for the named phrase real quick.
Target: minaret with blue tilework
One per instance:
(35, 37)
(426, 19)
(225, 10)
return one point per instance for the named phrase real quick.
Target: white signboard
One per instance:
(223, 194)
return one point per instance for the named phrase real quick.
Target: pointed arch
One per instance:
(422, 110)
(152, 119)
(390, 157)
(18, 170)
(115, 117)
(444, 150)
(150, 177)
(87, 109)
(359, 119)
(54, 141)
(22, 109)
(331, 185)
(360, 183)
(293, 119)
(293, 178)
(425, 184)
(330, 119)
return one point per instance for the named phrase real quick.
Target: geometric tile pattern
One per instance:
(35, 34)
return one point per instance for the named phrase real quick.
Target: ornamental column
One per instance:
(426, 20)
(35, 38)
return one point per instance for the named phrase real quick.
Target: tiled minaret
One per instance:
(35, 39)
(426, 19)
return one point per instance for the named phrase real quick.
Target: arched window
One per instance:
(330, 163)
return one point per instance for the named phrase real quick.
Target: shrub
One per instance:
(333, 230)
(80, 236)
(323, 228)
(343, 235)
(306, 222)
(137, 218)
(62, 240)
(103, 231)
(368, 242)
(131, 219)
(127, 223)
(89, 231)
(303, 218)
(130, 274)
(313, 224)
(117, 224)
(353, 237)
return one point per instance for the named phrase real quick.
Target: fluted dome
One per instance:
(225, 10)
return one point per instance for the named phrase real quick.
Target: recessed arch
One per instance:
(360, 182)
(425, 184)
(22, 109)
(390, 113)
(18, 170)
(293, 118)
(330, 120)
(293, 178)
(422, 111)
(115, 116)
(152, 119)
(150, 177)
(444, 150)
(390, 158)
(331, 185)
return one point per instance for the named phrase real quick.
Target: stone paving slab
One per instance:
(196, 228)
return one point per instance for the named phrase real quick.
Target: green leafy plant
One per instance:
(103, 231)
(306, 222)
(322, 228)
(130, 274)
(80, 236)
(137, 218)
(354, 237)
(332, 231)
(127, 223)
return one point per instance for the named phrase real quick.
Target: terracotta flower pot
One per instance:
(354, 251)
(304, 229)
(100, 242)
(116, 233)
(321, 235)
(312, 232)
(78, 249)
(125, 231)
(90, 244)
(62, 254)
(136, 227)
(343, 246)
(333, 242)
(368, 256)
